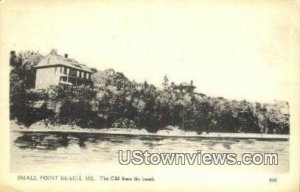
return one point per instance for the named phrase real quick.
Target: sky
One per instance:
(234, 50)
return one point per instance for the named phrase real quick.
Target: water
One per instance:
(41, 150)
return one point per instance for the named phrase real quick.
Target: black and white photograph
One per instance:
(127, 95)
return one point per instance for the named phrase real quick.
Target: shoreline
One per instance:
(206, 135)
(174, 132)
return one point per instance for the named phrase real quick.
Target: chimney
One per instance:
(191, 82)
(66, 55)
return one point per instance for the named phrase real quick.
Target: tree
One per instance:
(17, 94)
(94, 70)
(165, 83)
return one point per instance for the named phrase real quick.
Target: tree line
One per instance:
(115, 101)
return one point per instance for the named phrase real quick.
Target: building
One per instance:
(55, 69)
(184, 87)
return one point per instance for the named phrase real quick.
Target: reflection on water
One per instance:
(29, 148)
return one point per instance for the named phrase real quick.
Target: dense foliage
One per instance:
(115, 101)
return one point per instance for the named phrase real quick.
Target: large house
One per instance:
(56, 69)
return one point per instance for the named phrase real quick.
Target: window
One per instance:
(78, 73)
(65, 70)
(81, 74)
(68, 70)
(63, 79)
(72, 72)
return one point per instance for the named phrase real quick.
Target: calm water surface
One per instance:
(45, 148)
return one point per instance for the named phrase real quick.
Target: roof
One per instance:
(54, 59)
(185, 84)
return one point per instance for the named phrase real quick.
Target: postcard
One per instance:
(149, 95)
